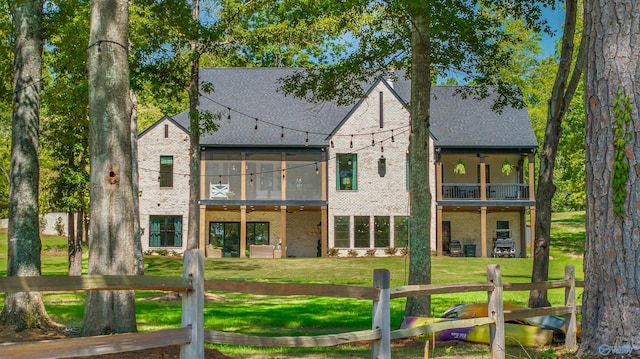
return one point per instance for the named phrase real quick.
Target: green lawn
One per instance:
(299, 315)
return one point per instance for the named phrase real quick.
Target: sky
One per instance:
(555, 19)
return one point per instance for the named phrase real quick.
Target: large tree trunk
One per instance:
(137, 240)
(26, 309)
(610, 302)
(558, 104)
(419, 245)
(74, 247)
(193, 232)
(111, 247)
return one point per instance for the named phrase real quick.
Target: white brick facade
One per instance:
(376, 195)
(165, 201)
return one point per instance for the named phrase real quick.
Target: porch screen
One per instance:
(165, 231)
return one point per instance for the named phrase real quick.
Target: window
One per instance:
(401, 231)
(362, 234)
(381, 234)
(341, 231)
(257, 233)
(165, 231)
(166, 171)
(502, 230)
(225, 235)
(346, 170)
(166, 131)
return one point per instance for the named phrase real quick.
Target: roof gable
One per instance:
(162, 119)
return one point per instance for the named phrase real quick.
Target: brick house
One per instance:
(304, 178)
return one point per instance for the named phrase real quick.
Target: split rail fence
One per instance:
(192, 336)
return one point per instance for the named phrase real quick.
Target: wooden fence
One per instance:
(192, 336)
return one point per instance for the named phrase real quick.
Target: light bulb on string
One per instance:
(255, 129)
(392, 139)
(373, 141)
(351, 142)
(229, 115)
(282, 133)
(251, 179)
(317, 169)
(219, 179)
(306, 141)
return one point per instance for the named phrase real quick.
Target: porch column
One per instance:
(523, 233)
(323, 181)
(323, 231)
(243, 177)
(438, 181)
(483, 231)
(532, 180)
(532, 229)
(483, 179)
(203, 209)
(283, 164)
(283, 231)
(243, 231)
(203, 228)
(439, 230)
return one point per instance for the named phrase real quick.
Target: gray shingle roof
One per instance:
(456, 122)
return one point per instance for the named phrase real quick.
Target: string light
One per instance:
(392, 140)
(229, 115)
(251, 179)
(373, 141)
(317, 169)
(255, 129)
(306, 141)
(282, 133)
(351, 143)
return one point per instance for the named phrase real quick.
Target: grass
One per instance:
(299, 315)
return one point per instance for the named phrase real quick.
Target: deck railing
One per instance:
(192, 336)
(495, 191)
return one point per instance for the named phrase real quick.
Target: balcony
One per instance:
(495, 191)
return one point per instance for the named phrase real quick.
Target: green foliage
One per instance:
(622, 135)
(59, 226)
(352, 253)
(391, 251)
(458, 168)
(506, 168)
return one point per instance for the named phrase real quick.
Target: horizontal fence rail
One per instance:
(192, 335)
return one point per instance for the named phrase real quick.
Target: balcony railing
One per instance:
(499, 191)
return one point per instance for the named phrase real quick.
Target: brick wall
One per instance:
(163, 201)
(375, 195)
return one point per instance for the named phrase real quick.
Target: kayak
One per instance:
(515, 334)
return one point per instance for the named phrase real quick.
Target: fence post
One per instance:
(496, 311)
(382, 315)
(193, 305)
(570, 341)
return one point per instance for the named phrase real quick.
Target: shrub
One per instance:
(370, 253)
(59, 227)
(332, 252)
(404, 251)
(43, 223)
(352, 253)
(391, 251)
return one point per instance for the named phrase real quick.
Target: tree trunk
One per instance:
(111, 247)
(610, 301)
(137, 240)
(420, 244)
(26, 309)
(193, 231)
(74, 247)
(558, 104)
